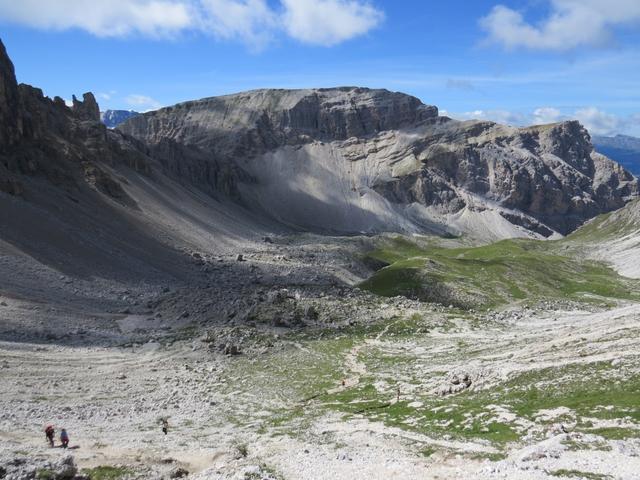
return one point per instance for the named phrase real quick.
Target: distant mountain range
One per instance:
(113, 118)
(624, 149)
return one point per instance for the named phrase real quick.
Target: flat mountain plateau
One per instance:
(308, 284)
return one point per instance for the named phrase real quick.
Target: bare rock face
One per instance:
(10, 119)
(261, 120)
(200, 140)
(376, 154)
(40, 137)
(87, 109)
(549, 172)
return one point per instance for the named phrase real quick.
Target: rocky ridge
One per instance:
(354, 159)
(65, 145)
(383, 154)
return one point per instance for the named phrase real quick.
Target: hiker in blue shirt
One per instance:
(64, 438)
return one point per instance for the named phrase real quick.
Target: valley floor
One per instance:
(428, 392)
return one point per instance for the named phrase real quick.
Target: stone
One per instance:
(179, 473)
(64, 468)
(230, 349)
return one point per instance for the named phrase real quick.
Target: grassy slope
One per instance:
(304, 378)
(609, 226)
(492, 275)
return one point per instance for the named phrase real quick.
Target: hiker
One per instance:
(165, 426)
(64, 438)
(50, 433)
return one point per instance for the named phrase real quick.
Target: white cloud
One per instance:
(546, 115)
(599, 122)
(570, 24)
(106, 95)
(142, 102)
(500, 116)
(596, 121)
(111, 18)
(254, 22)
(251, 21)
(328, 22)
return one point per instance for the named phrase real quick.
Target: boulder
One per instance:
(179, 473)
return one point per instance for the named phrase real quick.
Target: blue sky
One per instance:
(518, 61)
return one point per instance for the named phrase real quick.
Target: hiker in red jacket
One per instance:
(50, 433)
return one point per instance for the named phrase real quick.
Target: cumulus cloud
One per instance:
(500, 116)
(104, 19)
(597, 121)
(570, 24)
(251, 21)
(328, 22)
(106, 95)
(142, 102)
(546, 115)
(254, 22)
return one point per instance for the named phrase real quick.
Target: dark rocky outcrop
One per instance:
(40, 137)
(10, 118)
(87, 109)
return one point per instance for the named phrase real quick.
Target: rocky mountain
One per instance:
(343, 160)
(113, 118)
(354, 159)
(624, 149)
(94, 193)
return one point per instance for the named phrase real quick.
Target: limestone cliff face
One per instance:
(200, 141)
(262, 120)
(549, 174)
